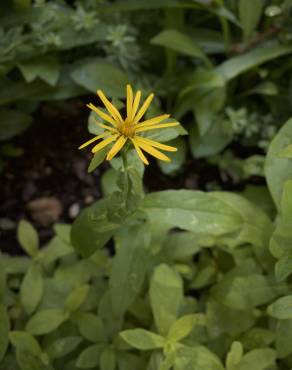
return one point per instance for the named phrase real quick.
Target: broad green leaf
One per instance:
(4, 330)
(45, 321)
(166, 295)
(31, 290)
(47, 68)
(63, 232)
(284, 338)
(15, 265)
(286, 152)
(63, 346)
(28, 238)
(183, 327)
(55, 249)
(108, 360)
(142, 339)
(89, 357)
(234, 356)
(129, 267)
(12, 123)
(196, 358)
(91, 327)
(258, 359)
(281, 308)
(278, 170)
(28, 361)
(97, 75)
(25, 342)
(249, 15)
(283, 267)
(192, 210)
(76, 298)
(177, 158)
(97, 159)
(179, 42)
(235, 66)
(182, 245)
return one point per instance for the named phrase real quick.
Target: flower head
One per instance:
(119, 130)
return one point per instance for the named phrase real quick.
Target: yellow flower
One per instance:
(130, 128)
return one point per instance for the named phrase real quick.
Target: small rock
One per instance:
(74, 210)
(45, 210)
(89, 199)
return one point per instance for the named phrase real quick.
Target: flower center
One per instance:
(127, 128)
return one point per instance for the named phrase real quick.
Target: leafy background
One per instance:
(188, 279)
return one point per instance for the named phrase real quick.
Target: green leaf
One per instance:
(258, 359)
(249, 16)
(45, 321)
(28, 361)
(63, 346)
(166, 294)
(97, 75)
(177, 158)
(278, 170)
(12, 123)
(55, 249)
(283, 268)
(129, 267)
(281, 308)
(142, 339)
(235, 66)
(183, 327)
(286, 152)
(28, 238)
(191, 210)
(76, 298)
(4, 330)
(46, 67)
(196, 358)
(31, 290)
(25, 342)
(234, 356)
(283, 338)
(179, 42)
(89, 357)
(97, 159)
(257, 338)
(108, 359)
(91, 327)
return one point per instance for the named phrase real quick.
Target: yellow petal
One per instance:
(156, 144)
(144, 107)
(110, 107)
(129, 101)
(103, 115)
(149, 149)
(139, 151)
(116, 147)
(162, 125)
(93, 140)
(104, 143)
(153, 121)
(112, 129)
(136, 104)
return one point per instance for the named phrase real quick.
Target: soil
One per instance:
(49, 182)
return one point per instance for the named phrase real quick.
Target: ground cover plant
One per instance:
(151, 277)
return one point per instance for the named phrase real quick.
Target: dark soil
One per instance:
(54, 172)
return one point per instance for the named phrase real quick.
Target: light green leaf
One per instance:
(258, 359)
(91, 327)
(192, 210)
(196, 358)
(281, 308)
(46, 67)
(142, 339)
(63, 346)
(89, 357)
(249, 15)
(12, 123)
(278, 170)
(31, 289)
(235, 66)
(55, 249)
(28, 238)
(166, 294)
(286, 152)
(76, 298)
(177, 158)
(45, 321)
(129, 267)
(97, 75)
(183, 326)
(4, 330)
(179, 42)
(234, 356)
(25, 342)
